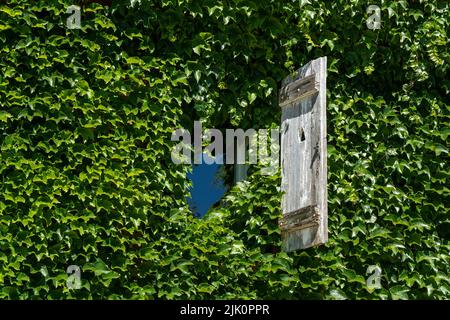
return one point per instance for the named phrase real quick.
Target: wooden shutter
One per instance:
(304, 157)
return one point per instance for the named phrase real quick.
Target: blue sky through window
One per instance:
(207, 188)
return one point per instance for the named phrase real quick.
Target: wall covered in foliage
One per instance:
(86, 176)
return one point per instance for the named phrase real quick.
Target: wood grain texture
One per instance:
(299, 89)
(304, 157)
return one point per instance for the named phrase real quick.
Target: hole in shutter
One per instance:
(301, 134)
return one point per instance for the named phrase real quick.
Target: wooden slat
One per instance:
(304, 157)
(299, 89)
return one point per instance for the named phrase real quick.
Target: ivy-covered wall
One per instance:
(87, 179)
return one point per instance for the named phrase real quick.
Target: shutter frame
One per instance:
(302, 99)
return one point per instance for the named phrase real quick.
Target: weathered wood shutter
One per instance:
(304, 157)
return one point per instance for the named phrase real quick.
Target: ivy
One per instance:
(86, 176)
